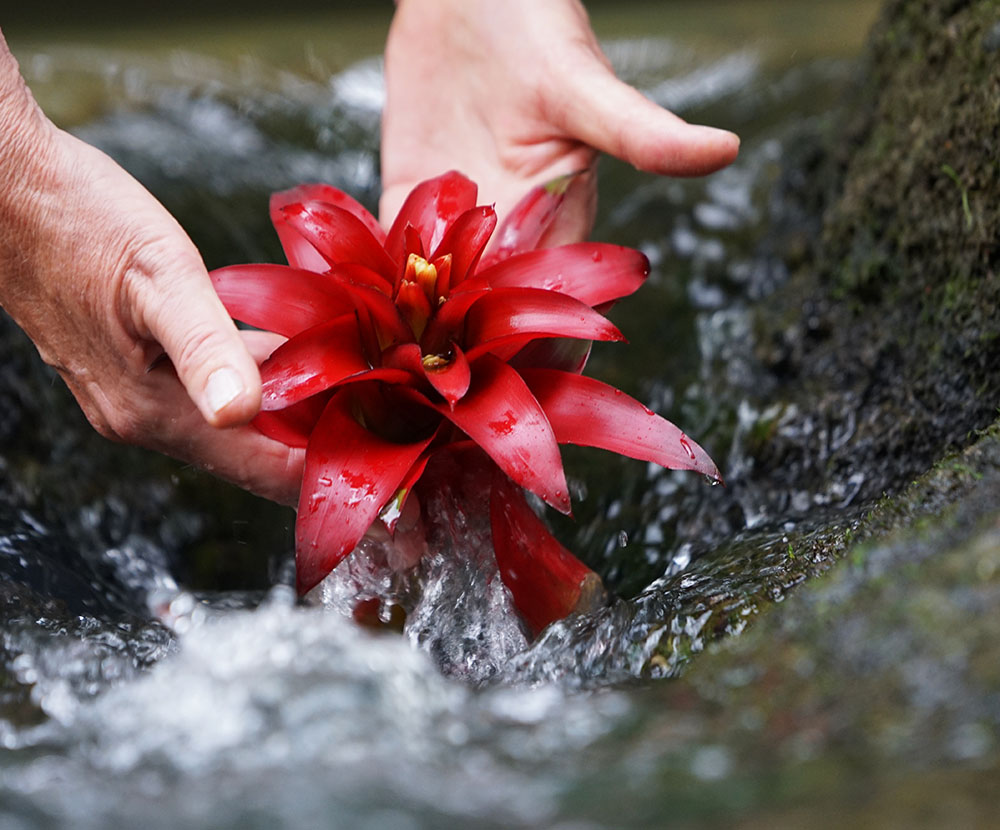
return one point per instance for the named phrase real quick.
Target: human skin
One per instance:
(106, 283)
(514, 94)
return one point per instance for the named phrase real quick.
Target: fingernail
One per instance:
(718, 131)
(224, 386)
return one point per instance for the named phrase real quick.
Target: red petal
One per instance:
(397, 411)
(294, 424)
(392, 511)
(404, 356)
(442, 285)
(452, 379)
(528, 222)
(449, 318)
(545, 580)
(338, 235)
(278, 298)
(300, 253)
(590, 413)
(592, 272)
(312, 361)
(556, 353)
(331, 196)
(501, 416)
(350, 473)
(414, 307)
(353, 274)
(521, 314)
(389, 324)
(466, 239)
(412, 243)
(431, 207)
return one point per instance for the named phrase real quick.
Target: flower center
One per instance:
(423, 273)
(423, 287)
(415, 294)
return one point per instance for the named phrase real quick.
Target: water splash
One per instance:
(287, 716)
(456, 607)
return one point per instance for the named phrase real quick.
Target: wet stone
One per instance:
(991, 40)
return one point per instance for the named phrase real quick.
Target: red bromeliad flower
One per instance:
(414, 342)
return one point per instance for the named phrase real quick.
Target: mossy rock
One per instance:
(880, 353)
(888, 329)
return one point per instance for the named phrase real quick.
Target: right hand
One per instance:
(105, 283)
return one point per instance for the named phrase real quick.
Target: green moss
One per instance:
(903, 281)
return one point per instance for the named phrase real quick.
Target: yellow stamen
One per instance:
(420, 271)
(434, 361)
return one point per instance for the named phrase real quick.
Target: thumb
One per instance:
(619, 120)
(189, 321)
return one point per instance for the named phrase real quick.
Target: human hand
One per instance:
(514, 94)
(105, 282)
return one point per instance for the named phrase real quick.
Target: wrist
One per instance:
(27, 141)
(22, 123)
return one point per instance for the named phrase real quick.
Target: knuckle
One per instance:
(151, 276)
(197, 343)
(126, 425)
(137, 424)
(100, 424)
(92, 402)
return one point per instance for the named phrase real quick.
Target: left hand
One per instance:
(514, 94)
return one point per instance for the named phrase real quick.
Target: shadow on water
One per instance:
(206, 712)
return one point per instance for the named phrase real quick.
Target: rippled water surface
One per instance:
(135, 690)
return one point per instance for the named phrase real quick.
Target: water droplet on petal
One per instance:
(596, 256)
(315, 500)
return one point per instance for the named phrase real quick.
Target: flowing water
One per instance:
(135, 690)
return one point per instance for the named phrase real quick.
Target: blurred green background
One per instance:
(781, 28)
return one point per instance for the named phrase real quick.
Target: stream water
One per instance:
(137, 690)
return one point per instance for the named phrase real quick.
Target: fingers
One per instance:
(157, 412)
(206, 349)
(611, 116)
(248, 459)
(261, 344)
(241, 455)
(161, 290)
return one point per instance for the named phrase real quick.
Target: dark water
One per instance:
(150, 676)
